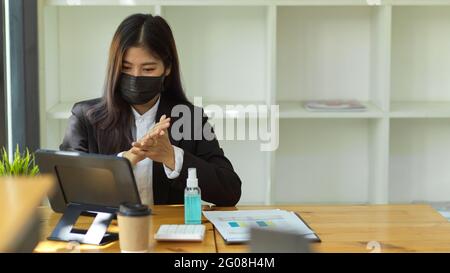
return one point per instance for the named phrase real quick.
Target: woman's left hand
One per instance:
(157, 147)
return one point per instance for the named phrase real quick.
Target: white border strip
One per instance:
(8, 77)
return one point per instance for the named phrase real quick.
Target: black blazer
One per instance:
(217, 180)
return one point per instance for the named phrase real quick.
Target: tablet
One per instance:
(88, 179)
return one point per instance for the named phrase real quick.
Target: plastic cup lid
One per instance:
(130, 209)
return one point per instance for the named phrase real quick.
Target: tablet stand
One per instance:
(96, 234)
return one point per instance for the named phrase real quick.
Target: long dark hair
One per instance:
(112, 117)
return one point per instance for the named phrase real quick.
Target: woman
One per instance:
(133, 119)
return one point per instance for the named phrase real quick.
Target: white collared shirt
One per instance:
(143, 171)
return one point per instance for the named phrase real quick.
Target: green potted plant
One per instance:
(22, 164)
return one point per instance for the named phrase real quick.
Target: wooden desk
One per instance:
(397, 228)
(19, 199)
(161, 215)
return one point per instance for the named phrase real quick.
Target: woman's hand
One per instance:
(149, 139)
(156, 145)
(134, 159)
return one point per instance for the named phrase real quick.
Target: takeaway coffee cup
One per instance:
(134, 227)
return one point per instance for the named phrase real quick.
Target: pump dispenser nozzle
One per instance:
(192, 181)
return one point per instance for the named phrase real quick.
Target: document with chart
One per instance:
(234, 226)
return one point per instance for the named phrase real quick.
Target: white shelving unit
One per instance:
(395, 57)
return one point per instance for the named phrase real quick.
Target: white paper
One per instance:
(234, 226)
(446, 214)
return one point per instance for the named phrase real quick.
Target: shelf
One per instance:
(326, 160)
(420, 110)
(241, 2)
(78, 57)
(158, 2)
(224, 58)
(419, 154)
(62, 111)
(204, 2)
(417, 2)
(286, 52)
(252, 174)
(420, 54)
(297, 110)
(287, 110)
(99, 2)
(237, 109)
(325, 52)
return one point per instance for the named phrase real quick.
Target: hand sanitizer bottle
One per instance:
(192, 200)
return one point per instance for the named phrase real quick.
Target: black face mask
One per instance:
(140, 90)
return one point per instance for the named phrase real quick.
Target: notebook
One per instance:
(235, 226)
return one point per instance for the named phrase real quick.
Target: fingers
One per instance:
(158, 129)
(145, 142)
(164, 123)
(150, 140)
(157, 132)
(138, 152)
(137, 145)
(146, 145)
(142, 153)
